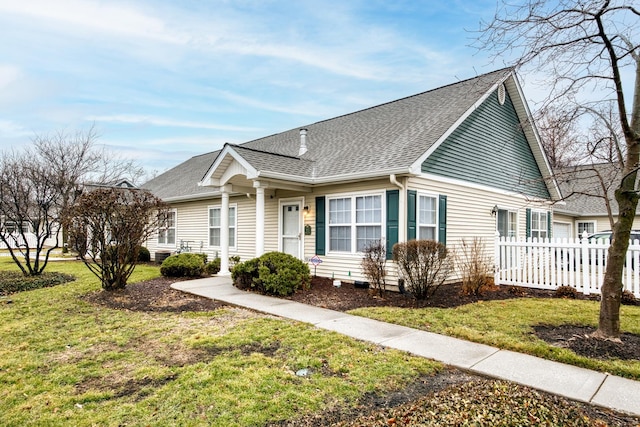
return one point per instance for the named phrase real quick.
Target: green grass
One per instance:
(509, 325)
(65, 362)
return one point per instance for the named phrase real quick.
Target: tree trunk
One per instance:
(611, 291)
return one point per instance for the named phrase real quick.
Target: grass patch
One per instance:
(508, 324)
(66, 362)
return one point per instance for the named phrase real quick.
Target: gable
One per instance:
(490, 148)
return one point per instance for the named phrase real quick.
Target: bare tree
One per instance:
(107, 227)
(38, 183)
(588, 47)
(557, 129)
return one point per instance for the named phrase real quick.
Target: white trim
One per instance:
(175, 227)
(354, 241)
(578, 221)
(482, 187)
(436, 197)
(235, 227)
(509, 210)
(299, 201)
(227, 151)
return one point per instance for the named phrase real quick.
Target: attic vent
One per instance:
(502, 94)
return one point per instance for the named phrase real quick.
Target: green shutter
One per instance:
(321, 238)
(528, 225)
(442, 219)
(411, 214)
(393, 216)
(549, 222)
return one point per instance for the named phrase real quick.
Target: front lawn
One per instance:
(508, 324)
(64, 361)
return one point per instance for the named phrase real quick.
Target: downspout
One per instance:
(402, 217)
(395, 181)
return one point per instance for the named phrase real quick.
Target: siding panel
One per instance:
(490, 148)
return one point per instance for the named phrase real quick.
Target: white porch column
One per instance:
(259, 217)
(224, 232)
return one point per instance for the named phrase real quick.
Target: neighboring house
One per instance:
(587, 190)
(455, 162)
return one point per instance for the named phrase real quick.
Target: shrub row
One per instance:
(189, 264)
(274, 273)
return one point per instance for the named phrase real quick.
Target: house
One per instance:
(455, 162)
(587, 189)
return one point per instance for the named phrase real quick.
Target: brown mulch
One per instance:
(156, 296)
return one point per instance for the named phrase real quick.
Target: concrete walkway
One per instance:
(575, 383)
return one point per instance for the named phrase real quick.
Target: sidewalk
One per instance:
(575, 383)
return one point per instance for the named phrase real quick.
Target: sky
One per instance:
(162, 81)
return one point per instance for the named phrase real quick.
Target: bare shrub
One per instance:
(374, 264)
(475, 266)
(424, 265)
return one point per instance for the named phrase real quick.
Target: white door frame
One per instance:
(298, 201)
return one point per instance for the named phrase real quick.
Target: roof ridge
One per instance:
(255, 150)
(379, 105)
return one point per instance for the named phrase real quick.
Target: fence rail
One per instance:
(550, 263)
(16, 241)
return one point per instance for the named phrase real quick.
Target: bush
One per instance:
(213, 267)
(628, 298)
(273, 273)
(182, 265)
(423, 264)
(374, 265)
(12, 282)
(203, 256)
(144, 255)
(566, 292)
(475, 266)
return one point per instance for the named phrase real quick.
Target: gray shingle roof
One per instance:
(182, 180)
(389, 136)
(582, 187)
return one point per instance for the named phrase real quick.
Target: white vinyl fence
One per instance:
(550, 263)
(16, 240)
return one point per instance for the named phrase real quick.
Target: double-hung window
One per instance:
(354, 222)
(539, 224)
(167, 231)
(215, 226)
(427, 217)
(588, 226)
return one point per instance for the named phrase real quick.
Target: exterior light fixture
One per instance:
(494, 210)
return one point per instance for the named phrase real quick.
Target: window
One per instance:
(588, 226)
(215, 223)
(351, 230)
(11, 227)
(167, 232)
(507, 223)
(539, 225)
(427, 217)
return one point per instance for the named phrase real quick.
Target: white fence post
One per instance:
(550, 263)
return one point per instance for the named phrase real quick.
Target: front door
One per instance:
(291, 237)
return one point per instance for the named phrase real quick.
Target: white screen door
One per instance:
(291, 233)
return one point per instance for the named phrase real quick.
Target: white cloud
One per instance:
(8, 128)
(158, 121)
(109, 17)
(8, 74)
